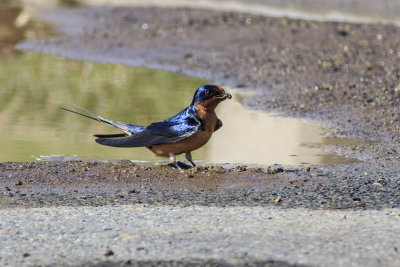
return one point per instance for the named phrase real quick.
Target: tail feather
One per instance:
(109, 135)
(87, 116)
(128, 129)
(96, 115)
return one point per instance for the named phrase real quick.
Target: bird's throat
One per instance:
(207, 107)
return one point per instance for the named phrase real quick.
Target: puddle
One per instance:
(256, 137)
(33, 127)
(32, 124)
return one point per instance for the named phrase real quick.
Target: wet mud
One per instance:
(345, 76)
(50, 183)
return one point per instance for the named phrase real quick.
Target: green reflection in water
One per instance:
(34, 85)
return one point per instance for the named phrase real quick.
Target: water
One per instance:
(33, 86)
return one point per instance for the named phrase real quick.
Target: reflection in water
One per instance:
(260, 138)
(33, 86)
(10, 31)
(33, 124)
(17, 25)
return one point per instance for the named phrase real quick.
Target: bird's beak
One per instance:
(225, 95)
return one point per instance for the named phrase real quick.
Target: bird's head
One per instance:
(209, 96)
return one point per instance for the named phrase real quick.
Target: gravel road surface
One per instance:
(134, 234)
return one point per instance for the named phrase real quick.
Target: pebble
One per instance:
(108, 252)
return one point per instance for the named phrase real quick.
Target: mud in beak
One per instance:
(224, 96)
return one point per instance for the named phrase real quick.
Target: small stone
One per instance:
(108, 252)
(306, 169)
(26, 255)
(273, 171)
(22, 167)
(241, 168)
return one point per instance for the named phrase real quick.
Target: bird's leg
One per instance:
(172, 158)
(188, 156)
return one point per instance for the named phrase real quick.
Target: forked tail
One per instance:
(128, 129)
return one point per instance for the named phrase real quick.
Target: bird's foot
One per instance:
(180, 165)
(188, 156)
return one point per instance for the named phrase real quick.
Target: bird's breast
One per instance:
(188, 144)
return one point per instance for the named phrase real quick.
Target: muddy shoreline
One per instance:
(77, 183)
(342, 75)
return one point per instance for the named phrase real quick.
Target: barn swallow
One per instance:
(188, 130)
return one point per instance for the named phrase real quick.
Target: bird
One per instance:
(185, 132)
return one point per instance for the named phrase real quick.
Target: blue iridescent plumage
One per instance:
(174, 129)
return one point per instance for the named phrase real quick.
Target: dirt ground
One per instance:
(76, 183)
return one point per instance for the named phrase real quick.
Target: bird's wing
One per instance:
(169, 131)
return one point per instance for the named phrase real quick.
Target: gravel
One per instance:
(235, 235)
